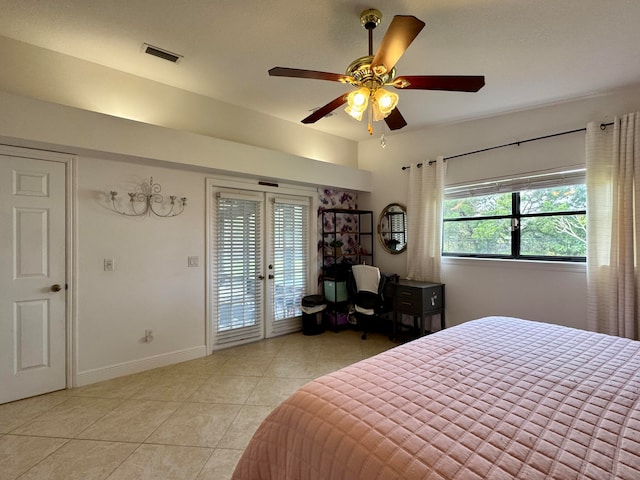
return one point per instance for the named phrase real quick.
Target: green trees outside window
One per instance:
(538, 224)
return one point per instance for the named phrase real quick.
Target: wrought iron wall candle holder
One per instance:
(150, 201)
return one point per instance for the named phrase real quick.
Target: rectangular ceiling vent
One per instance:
(161, 53)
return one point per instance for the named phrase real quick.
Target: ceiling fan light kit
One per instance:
(369, 74)
(357, 102)
(384, 102)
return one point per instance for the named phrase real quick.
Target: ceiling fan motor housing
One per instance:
(363, 75)
(370, 18)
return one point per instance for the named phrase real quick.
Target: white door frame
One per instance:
(266, 187)
(70, 252)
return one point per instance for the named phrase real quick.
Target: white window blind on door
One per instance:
(290, 255)
(237, 268)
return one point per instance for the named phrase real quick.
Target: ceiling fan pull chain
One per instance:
(369, 126)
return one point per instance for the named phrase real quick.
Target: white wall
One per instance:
(37, 124)
(35, 72)
(475, 288)
(543, 291)
(152, 287)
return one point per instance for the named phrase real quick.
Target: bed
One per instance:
(494, 398)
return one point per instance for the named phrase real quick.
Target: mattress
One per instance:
(494, 398)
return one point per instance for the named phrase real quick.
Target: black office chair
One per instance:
(368, 300)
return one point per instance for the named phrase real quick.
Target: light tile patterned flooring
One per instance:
(186, 421)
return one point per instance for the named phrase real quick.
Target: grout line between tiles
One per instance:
(292, 349)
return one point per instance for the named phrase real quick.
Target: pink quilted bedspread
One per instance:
(495, 398)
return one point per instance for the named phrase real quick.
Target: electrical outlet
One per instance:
(109, 266)
(192, 261)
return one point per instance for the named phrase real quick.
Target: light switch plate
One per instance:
(192, 261)
(109, 266)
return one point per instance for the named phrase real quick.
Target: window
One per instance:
(534, 218)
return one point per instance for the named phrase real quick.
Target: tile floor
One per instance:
(186, 421)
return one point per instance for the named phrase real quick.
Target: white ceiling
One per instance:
(531, 52)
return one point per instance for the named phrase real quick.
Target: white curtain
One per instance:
(424, 220)
(613, 222)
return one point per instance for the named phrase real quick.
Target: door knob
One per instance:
(260, 277)
(270, 277)
(56, 288)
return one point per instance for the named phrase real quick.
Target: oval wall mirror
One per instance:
(392, 228)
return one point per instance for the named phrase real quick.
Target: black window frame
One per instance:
(516, 218)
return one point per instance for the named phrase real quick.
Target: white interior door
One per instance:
(259, 269)
(32, 277)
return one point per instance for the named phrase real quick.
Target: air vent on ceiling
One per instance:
(161, 53)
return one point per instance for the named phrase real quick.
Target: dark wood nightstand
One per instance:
(418, 299)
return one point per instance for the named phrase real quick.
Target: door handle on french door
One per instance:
(270, 276)
(260, 277)
(56, 288)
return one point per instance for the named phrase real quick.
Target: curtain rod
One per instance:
(603, 126)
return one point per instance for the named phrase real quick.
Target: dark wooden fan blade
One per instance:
(395, 120)
(454, 83)
(402, 31)
(299, 73)
(326, 110)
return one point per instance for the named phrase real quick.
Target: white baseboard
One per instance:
(88, 377)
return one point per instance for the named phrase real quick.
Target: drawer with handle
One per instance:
(416, 301)
(408, 300)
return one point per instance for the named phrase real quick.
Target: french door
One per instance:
(260, 264)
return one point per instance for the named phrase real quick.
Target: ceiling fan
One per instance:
(369, 74)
